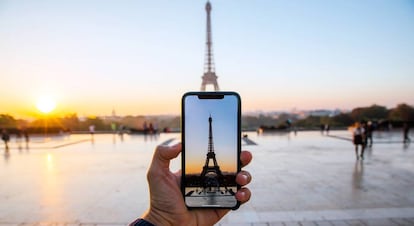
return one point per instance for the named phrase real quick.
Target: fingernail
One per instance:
(245, 177)
(243, 194)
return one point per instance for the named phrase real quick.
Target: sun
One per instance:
(45, 104)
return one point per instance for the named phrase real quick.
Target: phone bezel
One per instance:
(209, 95)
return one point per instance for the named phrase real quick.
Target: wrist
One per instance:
(141, 222)
(154, 218)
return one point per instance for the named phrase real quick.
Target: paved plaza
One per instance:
(302, 179)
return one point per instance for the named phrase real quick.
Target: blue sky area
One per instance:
(139, 57)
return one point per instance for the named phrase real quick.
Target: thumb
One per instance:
(163, 155)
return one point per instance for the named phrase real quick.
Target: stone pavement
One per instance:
(303, 179)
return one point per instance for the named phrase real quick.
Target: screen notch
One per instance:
(210, 96)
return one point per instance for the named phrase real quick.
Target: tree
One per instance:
(7, 121)
(343, 119)
(402, 112)
(374, 112)
(71, 122)
(95, 121)
(309, 122)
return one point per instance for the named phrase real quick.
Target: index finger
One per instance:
(245, 158)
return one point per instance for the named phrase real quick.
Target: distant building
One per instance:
(324, 113)
(113, 117)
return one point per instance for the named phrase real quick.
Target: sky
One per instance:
(224, 123)
(139, 57)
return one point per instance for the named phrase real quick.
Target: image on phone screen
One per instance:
(211, 149)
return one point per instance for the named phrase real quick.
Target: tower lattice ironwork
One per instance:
(209, 77)
(211, 176)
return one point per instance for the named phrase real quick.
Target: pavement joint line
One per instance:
(322, 215)
(397, 221)
(70, 143)
(375, 141)
(50, 147)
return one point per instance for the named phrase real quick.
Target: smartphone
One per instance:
(211, 145)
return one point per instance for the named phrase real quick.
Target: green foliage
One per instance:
(253, 122)
(95, 121)
(7, 121)
(402, 112)
(309, 122)
(342, 120)
(374, 112)
(71, 122)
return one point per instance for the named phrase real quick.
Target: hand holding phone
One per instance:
(211, 139)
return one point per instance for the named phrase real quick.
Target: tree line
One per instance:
(72, 123)
(378, 114)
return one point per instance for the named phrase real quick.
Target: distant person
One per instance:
(358, 139)
(19, 135)
(26, 135)
(155, 127)
(26, 138)
(368, 129)
(145, 127)
(406, 130)
(92, 129)
(322, 126)
(121, 132)
(327, 128)
(113, 127)
(390, 126)
(5, 136)
(167, 205)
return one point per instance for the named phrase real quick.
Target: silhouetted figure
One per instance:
(368, 129)
(121, 132)
(322, 126)
(113, 127)
(327, 128)
(5, 136)
(358, 139)
(26, 137)
(145, 127)
(390, 126)
(406, 130)
(92, 129)
(19, 135)
(155, 127)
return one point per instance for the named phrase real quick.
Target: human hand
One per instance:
(167, 205)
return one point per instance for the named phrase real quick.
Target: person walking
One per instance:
(368, 129)
(406, 130)
(358, 140)
(5, 136)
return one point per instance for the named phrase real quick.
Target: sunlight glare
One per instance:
(45, 104)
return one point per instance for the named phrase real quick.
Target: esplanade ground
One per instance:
(302, 179)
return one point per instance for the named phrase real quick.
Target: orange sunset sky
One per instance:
(139, 57)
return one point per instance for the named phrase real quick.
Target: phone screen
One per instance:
(211, 149)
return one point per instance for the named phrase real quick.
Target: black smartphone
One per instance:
(211, 145)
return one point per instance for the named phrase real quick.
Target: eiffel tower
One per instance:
(209, 77)
(211, 176)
